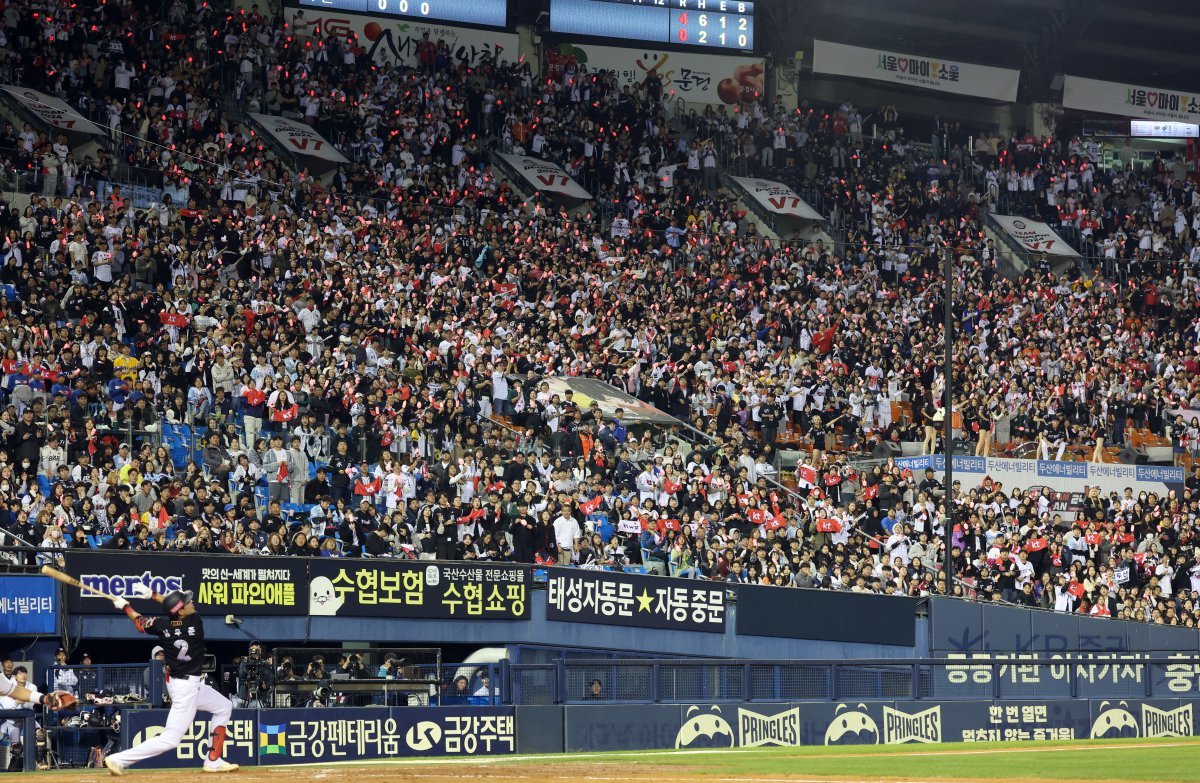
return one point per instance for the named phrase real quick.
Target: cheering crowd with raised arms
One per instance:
(258, 363)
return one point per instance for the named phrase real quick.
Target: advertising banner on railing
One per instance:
(863, 722)
(1034, 236)
(28, 606)
(400, 588)
(1057, 479)
(307, 736)
(300, 140)
(316, 586)
(297, 736)
(544, 176)
(694, 77)
(1091, 675)
(241, 738)
(612, 598)
(395, 41)
(53, 111)
(1130, 100)
(777, 198)
(984, 81)
(222, 584)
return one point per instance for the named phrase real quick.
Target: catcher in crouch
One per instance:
(182, 634)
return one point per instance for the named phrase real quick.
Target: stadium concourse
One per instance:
(261, 363)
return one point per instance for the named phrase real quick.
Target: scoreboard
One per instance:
(493, 13)
(716, 24)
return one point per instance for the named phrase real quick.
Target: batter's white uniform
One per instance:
(183, 651)
(188, 694)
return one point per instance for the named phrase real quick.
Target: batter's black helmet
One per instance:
(176, 600)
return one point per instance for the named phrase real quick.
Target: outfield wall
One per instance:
(294, 736)
(429, 604)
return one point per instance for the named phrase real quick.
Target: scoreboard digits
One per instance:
(492, 13)
(701, 28)
(718, 24)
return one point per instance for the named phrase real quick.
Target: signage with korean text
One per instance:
(28, 606)
(272, 737)
(138, 726)
(931, 73)
(610, 598)
(348, 734)
(1131, 100)
(391, 588)
(221, 584)
(1059, 476)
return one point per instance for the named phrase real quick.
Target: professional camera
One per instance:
(255, 676)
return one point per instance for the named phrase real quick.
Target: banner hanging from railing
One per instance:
(53, 111)
(777, 198)
(544, 176)
(1057, 479)
(300, 140)
(391, 40)
(984, 81)
(1034, 236)
(272, 737)
(690, 76)
(222, 584)
(320, 587)
(398, 588)
(28, 606)
(1130, 100)
(613, 598)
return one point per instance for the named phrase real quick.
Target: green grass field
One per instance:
(1090, 761)
(1095, 760)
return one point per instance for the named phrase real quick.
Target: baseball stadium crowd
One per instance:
(260, 363)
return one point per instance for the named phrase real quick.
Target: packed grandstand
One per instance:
(258, 360)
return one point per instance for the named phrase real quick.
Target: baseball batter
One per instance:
(182, 635)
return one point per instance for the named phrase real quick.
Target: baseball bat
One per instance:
(67, 579)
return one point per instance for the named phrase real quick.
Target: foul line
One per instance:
(529, 758)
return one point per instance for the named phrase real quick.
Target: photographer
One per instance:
(354, 667)
(390, 669)
(256, 678)
(285, 673)
(356, 670)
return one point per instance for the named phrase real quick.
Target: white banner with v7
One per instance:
(777, 198)
(1035, 236)
(298, 138)
(545, 177)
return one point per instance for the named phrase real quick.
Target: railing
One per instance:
(28, 721)
(715, 680)
(134, 684)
